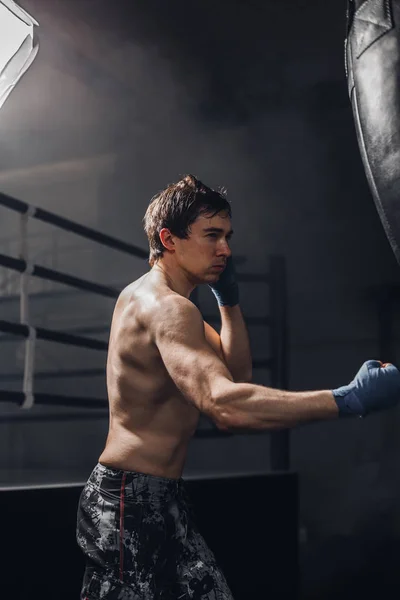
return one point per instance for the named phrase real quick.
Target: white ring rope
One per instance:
(29, 268)
(29, 367)
(30, 342)
(31, 211)
(24, 281)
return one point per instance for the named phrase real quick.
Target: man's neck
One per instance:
(174, 278)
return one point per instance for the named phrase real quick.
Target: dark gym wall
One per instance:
(251, 96)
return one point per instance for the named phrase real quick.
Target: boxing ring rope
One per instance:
(87, 232)
(27, 398)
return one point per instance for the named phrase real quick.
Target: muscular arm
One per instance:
(235, 343)
(254, 407)
(232, 346)
(205, 381)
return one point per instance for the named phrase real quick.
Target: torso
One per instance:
(151, 423)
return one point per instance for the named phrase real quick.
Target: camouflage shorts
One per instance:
(140, 541)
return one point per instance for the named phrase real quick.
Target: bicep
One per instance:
(192, 364)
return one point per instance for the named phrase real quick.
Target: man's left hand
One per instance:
(226, 289)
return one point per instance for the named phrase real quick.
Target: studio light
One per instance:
(18, 45)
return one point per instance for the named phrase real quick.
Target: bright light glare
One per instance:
(18, 45)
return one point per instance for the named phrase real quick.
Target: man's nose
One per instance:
(224, 250)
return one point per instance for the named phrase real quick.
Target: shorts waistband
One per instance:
(141, 487)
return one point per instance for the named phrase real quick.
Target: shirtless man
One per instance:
(165, 367)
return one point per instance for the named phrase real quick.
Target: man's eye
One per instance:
(214, 235)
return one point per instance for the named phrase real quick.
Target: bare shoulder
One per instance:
(175, 315)
(174, 305)
(163, 313)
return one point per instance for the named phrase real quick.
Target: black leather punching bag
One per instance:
(373, 75)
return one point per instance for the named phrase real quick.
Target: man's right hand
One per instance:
(376, 387)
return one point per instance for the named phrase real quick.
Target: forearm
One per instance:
(235, 343)
(246, 406)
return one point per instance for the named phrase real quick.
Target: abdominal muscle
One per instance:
(157, 450)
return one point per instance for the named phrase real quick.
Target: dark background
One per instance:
(126, 96)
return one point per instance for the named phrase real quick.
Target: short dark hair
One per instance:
(177, 208)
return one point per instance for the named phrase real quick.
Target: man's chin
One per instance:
(213, 277)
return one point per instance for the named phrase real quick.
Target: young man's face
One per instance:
(204, 254)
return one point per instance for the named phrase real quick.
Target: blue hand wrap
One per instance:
(226, 289)
(374, 388)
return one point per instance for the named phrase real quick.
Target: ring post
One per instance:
(30, 342)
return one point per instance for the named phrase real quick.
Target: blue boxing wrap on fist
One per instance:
(226, 289)
(375, 387)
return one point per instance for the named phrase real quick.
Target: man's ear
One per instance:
(167, 239)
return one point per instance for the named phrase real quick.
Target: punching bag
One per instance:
(372, 55)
